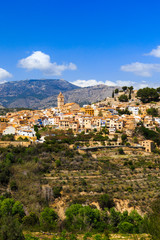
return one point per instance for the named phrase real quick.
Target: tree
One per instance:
(116, 90)
(35, 128)
(126, 111)
(80, 217)
(8, 137)
(120, 150)
(148, 95)
(48, 219)
(113, 94)
(153, 112)
(9, 207)
(148, 134)
(130, 89)
(158, 89)
(105, 201)
(152, 222)
(124, 137)
(38, 135)
(126, 227)
(115, 218)
(57, 191)
(30, 220)
(11, 229)
(124, 88)
(123, 98)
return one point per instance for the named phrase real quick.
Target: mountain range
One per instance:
(38, 94)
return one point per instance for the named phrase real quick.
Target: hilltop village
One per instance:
(119, 115)
(98, 162)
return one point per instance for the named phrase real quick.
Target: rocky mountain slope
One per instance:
(43, 93)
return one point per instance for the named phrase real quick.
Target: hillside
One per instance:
(27, 93)
(55, 178)
(81, 95)
(43, 93)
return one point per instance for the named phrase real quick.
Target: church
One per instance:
(68, 107)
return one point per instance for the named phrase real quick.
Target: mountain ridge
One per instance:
(42, 93)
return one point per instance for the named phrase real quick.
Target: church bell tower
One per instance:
(60, 101)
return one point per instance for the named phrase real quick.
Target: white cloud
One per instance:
(4, 74)
(120, 83)
(124, 83)
(110, 83)
(94, 82)
(87, 83)
(41, 61)
(154, 52)
(141, 69)
(143, 85)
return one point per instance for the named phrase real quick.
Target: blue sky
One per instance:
(84, 42)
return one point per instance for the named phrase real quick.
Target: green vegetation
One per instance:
(148, 94)
(105, 201)
(124, 88)
(48, 219)
(152, 222)
(153, 112)
(10, 229)
(148, 134)
(126, 111)
(123, 98)
(43, 182)
(36, 129)
(120, 150)
(8, 137)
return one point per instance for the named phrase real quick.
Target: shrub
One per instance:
(83, 218)
(123, 98)
(126, 227)
(8, 207)
(30, 220)
(135, 139)
(13, 186)
(148, 94)
(48, 219)
(120, 150)
(105, 201)
(57, 192)
(152, 111)
(10, 229)
(124, 137)
(58, 163)
(29, 237)
(8, 137)
(116, 90)
(148, 134)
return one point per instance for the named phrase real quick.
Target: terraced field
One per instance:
(111, 236)
(133, 178)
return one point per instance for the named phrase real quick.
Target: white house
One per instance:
(26, 132)
(133, 110)
(9, 130)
